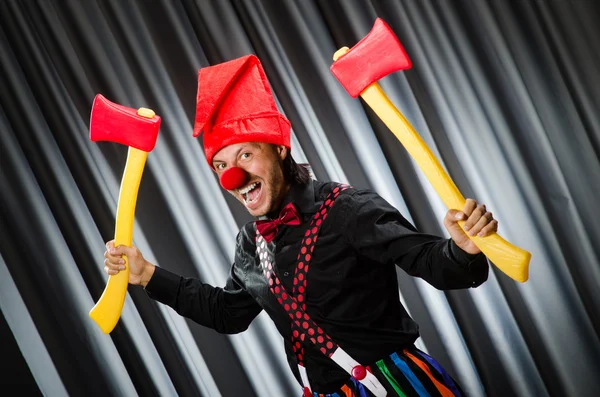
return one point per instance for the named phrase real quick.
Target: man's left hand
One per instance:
(479, 221)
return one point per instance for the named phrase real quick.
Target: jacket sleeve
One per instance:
(378, 231)
(227, 310)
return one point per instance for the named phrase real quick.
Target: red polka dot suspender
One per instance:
(295, 303)
(303, 327)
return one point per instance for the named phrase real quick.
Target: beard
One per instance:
(274, 187)
(277, 190)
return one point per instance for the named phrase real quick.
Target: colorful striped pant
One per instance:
(410, 373)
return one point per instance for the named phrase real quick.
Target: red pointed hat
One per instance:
(235, 104)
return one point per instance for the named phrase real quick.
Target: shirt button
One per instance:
(286, 273)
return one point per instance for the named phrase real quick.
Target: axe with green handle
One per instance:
(138, 129)
(378, 54)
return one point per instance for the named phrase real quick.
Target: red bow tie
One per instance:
(288, 216)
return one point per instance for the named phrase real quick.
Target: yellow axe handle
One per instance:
(510, 259)
(108, 309)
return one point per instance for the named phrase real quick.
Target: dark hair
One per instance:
(294, 173)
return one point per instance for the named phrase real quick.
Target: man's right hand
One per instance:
(140, 270)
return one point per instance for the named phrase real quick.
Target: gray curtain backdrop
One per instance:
(506, 93)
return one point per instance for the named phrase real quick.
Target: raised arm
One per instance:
(378, 231)
(227, 310)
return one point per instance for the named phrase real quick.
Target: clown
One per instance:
(320, 258)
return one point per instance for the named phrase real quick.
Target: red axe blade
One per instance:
(378, 54)
(116, 123)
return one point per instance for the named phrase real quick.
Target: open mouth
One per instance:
(251, 193)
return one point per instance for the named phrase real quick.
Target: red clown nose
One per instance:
(233, 178)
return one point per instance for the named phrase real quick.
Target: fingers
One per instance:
(114, 255)
(480, 221)
(470, 206)
(489, 229)
(453, 216)
(114, 261)
(111, 272)
(474, 213)
(113, 266)
(121, 250)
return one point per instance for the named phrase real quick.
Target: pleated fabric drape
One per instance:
(506, 93)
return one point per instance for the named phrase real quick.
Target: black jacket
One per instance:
(352, 289)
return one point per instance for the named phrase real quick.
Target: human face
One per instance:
(266, 186)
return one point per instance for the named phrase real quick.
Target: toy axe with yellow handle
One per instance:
(138, 129)
(378, 54)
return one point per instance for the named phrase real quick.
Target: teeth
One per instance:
(248, 188)
(244, 192)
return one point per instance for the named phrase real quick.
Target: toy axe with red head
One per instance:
(378, 54)
(137, 129)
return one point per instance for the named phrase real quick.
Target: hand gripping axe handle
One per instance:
(138, 129)
(378, 54)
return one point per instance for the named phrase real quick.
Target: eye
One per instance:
(220, 166)
(245, 156)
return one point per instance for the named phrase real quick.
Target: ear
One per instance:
(282, 151)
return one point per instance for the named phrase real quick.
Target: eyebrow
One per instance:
(216, 162)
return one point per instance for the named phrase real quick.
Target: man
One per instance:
(321, 258)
